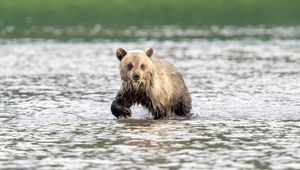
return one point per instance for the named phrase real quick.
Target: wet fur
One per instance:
(162, 91)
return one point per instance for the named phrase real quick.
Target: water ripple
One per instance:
(55, 99)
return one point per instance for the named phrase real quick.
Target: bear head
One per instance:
(136, 67)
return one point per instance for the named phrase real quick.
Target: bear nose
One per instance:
(136, 77)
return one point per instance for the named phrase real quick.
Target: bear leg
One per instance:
(183, 109)
(159, 113)
(119, 110)
(158, 116)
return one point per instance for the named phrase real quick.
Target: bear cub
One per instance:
(151, 82)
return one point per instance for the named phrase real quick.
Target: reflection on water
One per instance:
(55, 98)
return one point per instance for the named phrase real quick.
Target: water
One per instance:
(55, 107)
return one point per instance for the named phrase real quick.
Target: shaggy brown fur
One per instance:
(151, 82)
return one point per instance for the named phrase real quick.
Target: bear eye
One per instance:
(142, 66)
(129, 66)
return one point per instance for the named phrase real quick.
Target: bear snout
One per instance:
(136, 77)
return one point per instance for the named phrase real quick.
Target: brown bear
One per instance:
(151, 82)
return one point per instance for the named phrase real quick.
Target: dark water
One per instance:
(55, 99)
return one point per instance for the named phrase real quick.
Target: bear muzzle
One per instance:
(136, 77)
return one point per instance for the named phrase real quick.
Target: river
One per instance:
(55, 106)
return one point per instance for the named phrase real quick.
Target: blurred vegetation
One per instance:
(125, 13)
(21, 18)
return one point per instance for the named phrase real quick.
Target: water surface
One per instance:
(55, 100)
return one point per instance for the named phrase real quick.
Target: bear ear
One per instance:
(149, 52)
(120, 53)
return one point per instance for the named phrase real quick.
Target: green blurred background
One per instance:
(18, 17)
